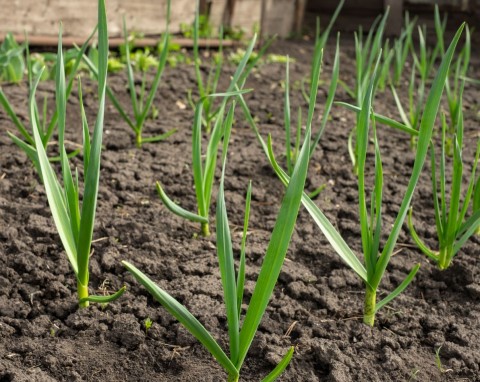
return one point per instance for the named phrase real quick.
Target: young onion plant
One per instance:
(27, 141)
(75, 220)
(376, 259)
(204, 165)
(453, 228)
(241, 334)
(142, 102)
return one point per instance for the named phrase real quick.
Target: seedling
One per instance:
(453, 229)
(147, 323)
(241, 335)
(204, 165)
(141, 104)
(75, 222)
(438, 362)
(375, 262)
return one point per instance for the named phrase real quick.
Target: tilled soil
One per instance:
(317, 304)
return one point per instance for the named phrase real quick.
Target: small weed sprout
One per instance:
(438, 362)
(147, 324)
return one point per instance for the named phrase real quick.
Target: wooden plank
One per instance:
(362, 6)
(36, 40)
(279, 17)
(41, 17)
(395, 18)
(300, 7)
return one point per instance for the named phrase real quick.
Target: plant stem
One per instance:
(369, 307)
(443, 262)
(413, 142)
(208, 126)
(205, 229)
(233, 378)
(138, 140)
(82, 291)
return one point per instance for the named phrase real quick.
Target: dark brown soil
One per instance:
(43, 337)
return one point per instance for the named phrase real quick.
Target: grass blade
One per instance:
(160, 137)
(52, 189)
(92, 173)
(399, 289)
(286, 117)
(177, 210)
(421, 245)
(331, 234)
(158, 75)
(86, 132)
(330, 96)
(241, 266)
(467, 230)
(105, 299)
(110, 94)
(225, 253)
(276, 250)
(130, 76)
(184, 317)
(381, 119)
(280, 368)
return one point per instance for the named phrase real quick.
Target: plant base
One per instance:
(205, 230)
(369, 307)
(82, 291)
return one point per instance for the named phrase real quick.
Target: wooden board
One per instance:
(41, 17)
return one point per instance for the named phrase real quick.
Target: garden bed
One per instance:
(317, 304)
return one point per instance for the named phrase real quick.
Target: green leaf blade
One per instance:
(184, 317)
